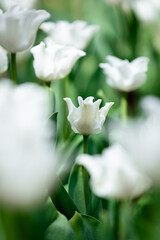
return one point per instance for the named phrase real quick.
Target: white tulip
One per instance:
(112, 175)
(3, 60)
(141, 139)
(87, 118)
(146, 10)
(24, 3)
(27, 159)
(124, 75)
(19, 27)
(53, 61)
(76, 34)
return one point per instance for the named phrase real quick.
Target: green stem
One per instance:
(62, 200)
(124, 106)
(13, 67)
(85, 144)
(48, 84)
(51, 97)
(85, 173)
(65, 122)
(9, 224)
(116, 221)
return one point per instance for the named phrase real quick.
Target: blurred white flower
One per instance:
(19, 27)
(141, 139)
(87, 118)
(3, 60)
(124, 75)
(113, 175)
(76, 34)
(27, 158)
(146, 10)
(53, 61)
(5, 4)
(151, 106)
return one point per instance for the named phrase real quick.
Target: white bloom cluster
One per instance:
(27, 158)
(55, 57)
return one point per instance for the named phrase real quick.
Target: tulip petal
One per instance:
(124, 75)
(3, 60)
(53, 61)
(104, 111)
(43, 63)
(141, 63)
(87, 118)
(76, 34)
(113, 176)
(19, 27)
(73, 113)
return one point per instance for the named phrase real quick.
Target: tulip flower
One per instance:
(141, 139)
(53, 61)
(27, 158)
(124, 75)
(146, 10)
(24, 3)
(76, 34)
(87, 118)
(112, 175)
(3, 60)
(19, 27)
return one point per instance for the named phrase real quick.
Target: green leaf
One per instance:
(62, 200)
(76, 188)
(60, 229)
(53, 117)
(29, 224)
(84, 227)
(94, 206)
(70, 149)
(104, 230)
(50, 212)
